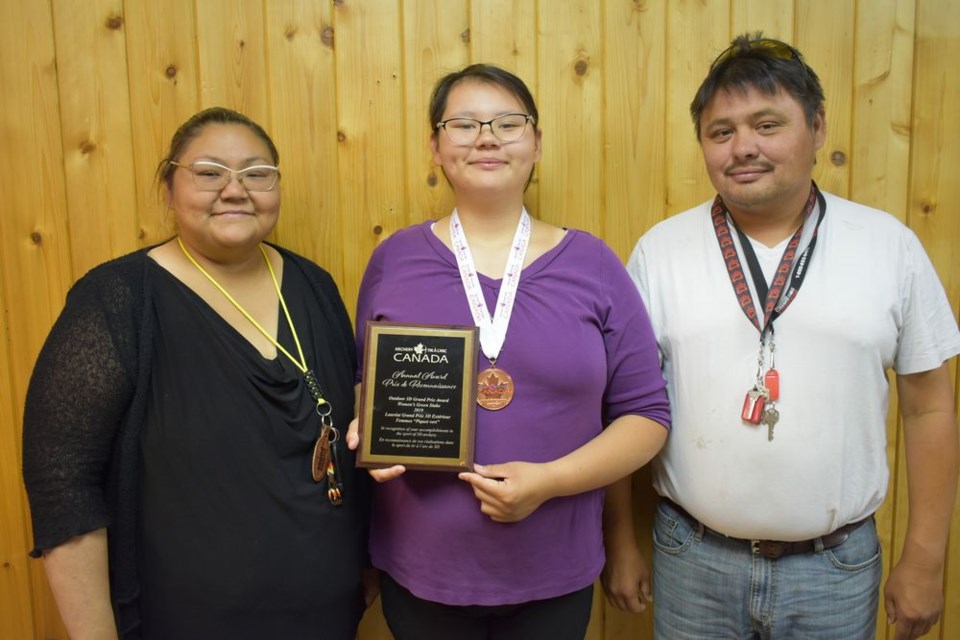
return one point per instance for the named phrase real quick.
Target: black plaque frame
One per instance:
(418, 397)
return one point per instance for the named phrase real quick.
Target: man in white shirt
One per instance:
(778, 309)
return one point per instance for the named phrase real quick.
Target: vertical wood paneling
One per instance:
(634, 149)
(301, 41)
(16, 614)
(505, 33)
(571, 92)
(773, 17)
(436, 42)
(688, 60)
(883, 76)
(97, 146)
(824, 33)
(35, 270)
(633, 113)
(369, 99)
(93, 91)
(164, 92)
(232, 55)
(934, 193)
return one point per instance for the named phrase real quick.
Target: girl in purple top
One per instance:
(512, 549)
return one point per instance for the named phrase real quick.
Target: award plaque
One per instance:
(418, 398)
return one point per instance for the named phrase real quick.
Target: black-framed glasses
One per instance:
(506, 128)
(775, 48)
(213, 176)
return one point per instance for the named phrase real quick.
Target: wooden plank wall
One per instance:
(93, 89)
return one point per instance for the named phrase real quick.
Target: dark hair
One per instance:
(768, 66)
(193, 127)
(482, 73)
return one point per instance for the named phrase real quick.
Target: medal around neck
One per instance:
(417, 400)
(495, 387)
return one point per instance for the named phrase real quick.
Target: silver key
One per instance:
(770, 418)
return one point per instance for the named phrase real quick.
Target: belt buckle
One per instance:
(768, 550)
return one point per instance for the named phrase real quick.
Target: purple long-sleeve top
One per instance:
(581, 352)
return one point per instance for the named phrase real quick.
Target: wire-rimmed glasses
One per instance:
(509, 127)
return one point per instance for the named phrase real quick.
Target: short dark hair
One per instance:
(195, 126)
(767, 65)
(489, 73)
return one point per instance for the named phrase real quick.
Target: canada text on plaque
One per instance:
(418, 398)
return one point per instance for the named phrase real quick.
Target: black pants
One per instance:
(412, 618)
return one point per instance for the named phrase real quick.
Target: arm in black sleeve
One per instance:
(80, 390)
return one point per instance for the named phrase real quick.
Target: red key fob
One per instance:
(753, 406)
(771, 380)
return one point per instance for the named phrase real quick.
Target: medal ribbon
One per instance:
(323, 406)
(790, 272)
(493, 329)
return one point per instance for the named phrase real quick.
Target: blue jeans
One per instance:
(706, 585)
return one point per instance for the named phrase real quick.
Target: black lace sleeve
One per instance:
(81, 388)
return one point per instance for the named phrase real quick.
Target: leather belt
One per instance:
(773, 549)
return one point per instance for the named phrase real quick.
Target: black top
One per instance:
(86, 407)
(237, 540)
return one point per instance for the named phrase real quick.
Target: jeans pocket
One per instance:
(859, 551)
(672, 533)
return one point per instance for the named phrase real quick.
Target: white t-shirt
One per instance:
(871, 301)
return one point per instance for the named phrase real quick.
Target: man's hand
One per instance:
(913, 598)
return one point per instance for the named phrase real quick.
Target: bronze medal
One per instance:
(494, 389)
(321, 455)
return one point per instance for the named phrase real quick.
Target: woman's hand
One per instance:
(626, 579)
(380, 475)
(511, 491)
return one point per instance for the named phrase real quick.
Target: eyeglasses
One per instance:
(465, 131)
(775, 48)
(213, 176)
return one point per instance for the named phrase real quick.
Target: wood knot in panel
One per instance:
(170, 71)
(377, 230)
(580, 67)
(838, 158)
(327, 36)
(432, 179)
(88, 147)
(465, 36)
(290, 32)
(341, 135)
(36, 238)
(114, 22)
(927, 208)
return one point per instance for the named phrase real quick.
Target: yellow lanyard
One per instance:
(324, 453)
(302, 363)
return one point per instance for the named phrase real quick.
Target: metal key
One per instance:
(770, 418)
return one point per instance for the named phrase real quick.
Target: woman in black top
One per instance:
(182, 421)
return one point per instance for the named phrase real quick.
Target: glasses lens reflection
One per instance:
(212, 176)
(506, 128)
